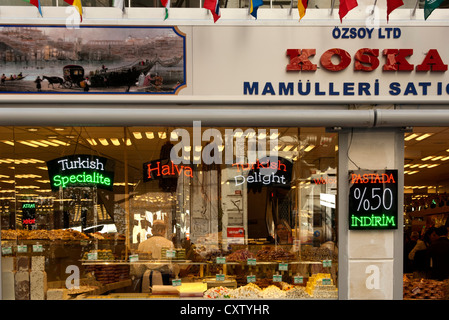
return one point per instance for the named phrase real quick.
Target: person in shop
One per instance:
(409, 243)
(419, 255)
(283, 233)
(154, 246)
(439, 254)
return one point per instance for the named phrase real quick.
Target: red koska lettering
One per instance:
(396, 60)
(326, 59)
(299, 60)
(366, 59)
(432, 62)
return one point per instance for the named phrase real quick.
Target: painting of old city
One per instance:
(91, 59)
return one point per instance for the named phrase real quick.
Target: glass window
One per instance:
(207, 212)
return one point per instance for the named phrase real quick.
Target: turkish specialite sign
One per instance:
(81, 171)
(373, 199)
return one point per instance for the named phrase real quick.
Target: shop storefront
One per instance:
(249, 160)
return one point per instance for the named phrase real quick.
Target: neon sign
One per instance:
(164, 169)
(28, 214)
(81, 171)
(373, 199)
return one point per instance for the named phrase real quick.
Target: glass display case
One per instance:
(103, 212)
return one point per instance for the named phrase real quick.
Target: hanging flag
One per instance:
(429, 6)
(302, 6)
(253, 6)
(345, 7)
(120, 4)
(166, 4)
(36, 3)
(393, 4)
(77, 5)
(214, 7)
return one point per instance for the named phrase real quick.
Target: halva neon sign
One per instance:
(81, 171)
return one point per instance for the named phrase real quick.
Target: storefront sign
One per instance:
(265, 172)
(81, 171)
(165, 168)
(373, 199)
(28, 215)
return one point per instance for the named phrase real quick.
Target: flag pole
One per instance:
(291, 8)
(374, 5)
(332, 6)
(414, 9)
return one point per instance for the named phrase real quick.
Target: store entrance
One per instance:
(426, 211)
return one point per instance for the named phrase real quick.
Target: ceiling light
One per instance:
(149, 135)
(49, 143)
(92, 142)
(173, 136)
(103, 141)
(137, 135)
(11, 143)
(433, 165)
(162, 135)
(436, 158)
(414, 166)
(410, 137)
(32, 129)
(309, 148)
(28, 144)
(445, 158)
(39, 143)
(424, 136)
(288, 148)
(427, 158)
(115, 141)
(59, 129)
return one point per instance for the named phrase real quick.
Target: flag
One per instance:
(120, 4)
(36, 3)
(77, 5)
(429, 6)
(345, 7)
(393, 4)
(214, 7)
(302, 6)
(166, 4)
(253, 6)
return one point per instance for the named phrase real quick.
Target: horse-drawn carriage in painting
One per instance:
(73, 76)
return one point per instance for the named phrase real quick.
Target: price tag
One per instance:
(220, 277)
(326, 282)
(6, 250)
(298, 279)
(251, 261)
(176, 282)
(221, 260)
(327, 263)
(134, 258)
(170, 254)
(22, 248)
(277, 278)
(38, 248)
(92, 256)
(250, 278)
(84, 242)
(283, 266)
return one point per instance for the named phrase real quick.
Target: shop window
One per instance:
(239, 212)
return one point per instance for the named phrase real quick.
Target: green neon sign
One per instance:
(373, 199)
(81, 171)
(94, 177)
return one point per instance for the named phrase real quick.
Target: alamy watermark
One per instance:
(236, 146)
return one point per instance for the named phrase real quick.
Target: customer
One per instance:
(439, 254)
(420, 255)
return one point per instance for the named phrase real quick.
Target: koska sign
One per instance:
(81, 171)
(328, 64)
